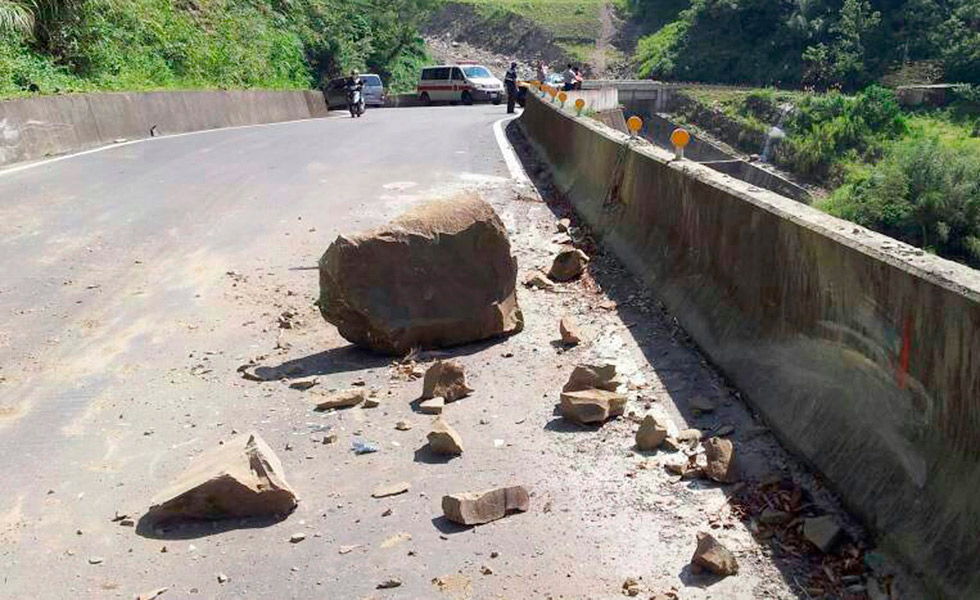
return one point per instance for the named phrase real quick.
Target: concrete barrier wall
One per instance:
(34, 128)
(862, 353)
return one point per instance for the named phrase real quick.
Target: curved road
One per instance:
(137, 279)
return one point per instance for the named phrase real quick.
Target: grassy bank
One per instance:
(105, 45)
(573, 23)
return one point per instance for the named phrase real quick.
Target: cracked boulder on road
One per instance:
(241, 478)
(441, 274)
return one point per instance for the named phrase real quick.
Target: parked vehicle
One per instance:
(373, 93)
(374, 90)
(462, 82)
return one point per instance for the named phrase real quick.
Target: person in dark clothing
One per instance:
(510, 82)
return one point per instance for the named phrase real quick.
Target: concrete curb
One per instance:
(34, 128)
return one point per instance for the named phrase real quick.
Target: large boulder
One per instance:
(439, 275)
(241, 478)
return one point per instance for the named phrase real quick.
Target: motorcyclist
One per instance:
(354, 85)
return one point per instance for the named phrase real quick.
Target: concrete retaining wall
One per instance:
(862, 353)
(34, 128)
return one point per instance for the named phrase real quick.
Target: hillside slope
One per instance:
(51, 46)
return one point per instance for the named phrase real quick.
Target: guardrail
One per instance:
(862, 353)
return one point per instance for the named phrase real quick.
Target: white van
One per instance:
(462, 82)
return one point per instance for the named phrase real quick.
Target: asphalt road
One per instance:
(137, 279)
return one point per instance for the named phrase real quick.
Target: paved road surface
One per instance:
(137, 279)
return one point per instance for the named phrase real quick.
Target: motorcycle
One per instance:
(355, 101)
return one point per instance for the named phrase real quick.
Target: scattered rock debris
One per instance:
(823, 532)
(388, 584)
(443, 439)
(342, 399)
(241, 478)
(591, 406)
(392, 489)
(477, 508)
(297, 538)
(152, 594)
(445, 379)
(585, 377)
(568, 265)
(569, 331)
(540, 281)
(720, 454)
(650, 434)
(713, 557)
(433, 406)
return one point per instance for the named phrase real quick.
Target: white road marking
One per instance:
(40, 163)
(510, 157)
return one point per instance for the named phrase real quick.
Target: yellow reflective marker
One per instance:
(634, 124)
(680, 138)
(579, 105)
(562, 97)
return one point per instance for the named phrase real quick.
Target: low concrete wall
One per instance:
(33, 128)
(862, 353)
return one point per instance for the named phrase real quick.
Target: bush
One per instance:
(924, 192)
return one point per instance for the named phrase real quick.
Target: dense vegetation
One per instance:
(912, 175)
(818, 43)
(77, 45)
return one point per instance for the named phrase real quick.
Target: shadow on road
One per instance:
(152, 527)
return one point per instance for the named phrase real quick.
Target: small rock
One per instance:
(433, 406)
(303, 384)
(95, 560)
(702, 404)
(371, 403)
(443, 439)
(537, 279)
(568, 265)
(348, 549)
(570, 335)
(563, 224)
(586, 377)
(721, 460)
(330, 438)
(771, 516)
(445, 379)
(631, 587)
(222, 578)
(823, 532)
(387, 584)
(650, 434)
(393, 489)
(713, 557)
(591, 406)
(494, 554)
(297, 538)
(403, 426)
(476, 508)
(689, 435)
(152, 594)
(671, 444)
(486, 570)
(342, 399)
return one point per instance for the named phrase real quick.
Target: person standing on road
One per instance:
(542, 72)
(569, 77)
(510, 82)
